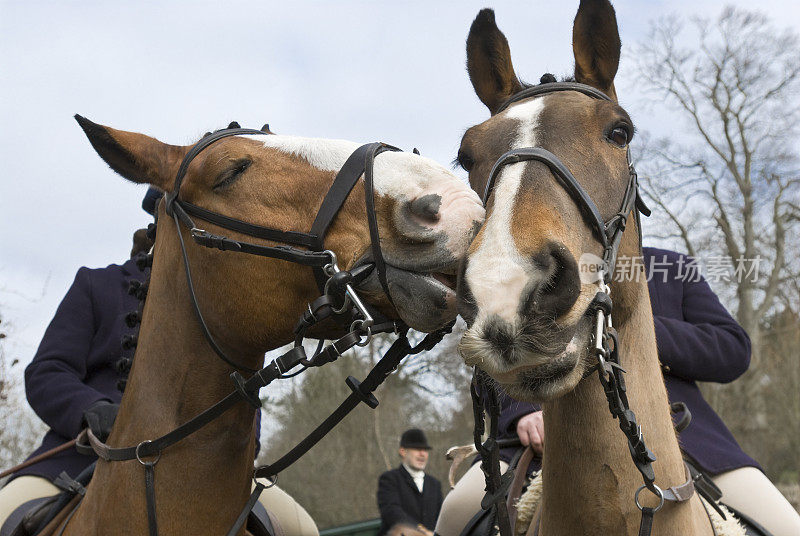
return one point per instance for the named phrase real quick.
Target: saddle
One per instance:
(483, 523)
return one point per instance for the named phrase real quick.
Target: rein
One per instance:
(338, 301)
(609, 234)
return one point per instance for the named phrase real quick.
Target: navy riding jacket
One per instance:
(697, 340)
(75, 365)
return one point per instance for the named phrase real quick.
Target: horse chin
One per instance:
(543, 383)
(424, 301)
(537, 377)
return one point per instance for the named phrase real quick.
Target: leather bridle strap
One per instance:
(361, 162)
(608, 232)
(552, 87)
(148, 453)
(610, 373)
(361, 392)
(154, 447)
(308, 240)
(497, 485)
(372, 219)
(321, 260)
(565, 179)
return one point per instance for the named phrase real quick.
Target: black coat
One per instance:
(400, 501)
(75, 365)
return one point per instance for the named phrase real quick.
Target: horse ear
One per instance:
(596, 45)
(489, 62)
(136, 157)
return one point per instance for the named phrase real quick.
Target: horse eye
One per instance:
(465, 161)
(619, 136)
(227, 177)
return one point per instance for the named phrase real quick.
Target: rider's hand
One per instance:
(530, 430)
(100, 418)
(424, 530)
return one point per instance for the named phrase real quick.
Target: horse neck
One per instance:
(588, 476)
(203, 481)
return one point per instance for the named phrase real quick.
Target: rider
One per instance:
(697, 340)
(75, 380)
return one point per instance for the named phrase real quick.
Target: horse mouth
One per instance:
(424, 300)
(540, 381)
(530, 373)
(403, 282)
(449, 280)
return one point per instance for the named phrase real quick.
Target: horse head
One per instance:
(426, 218)
(521, 288)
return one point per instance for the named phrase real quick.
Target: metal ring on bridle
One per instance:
(658, 492)
(273, 479)
(330, 270)
(139, 457)
(332, 263)
(367, 337)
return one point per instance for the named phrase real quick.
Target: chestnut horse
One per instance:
(535, 336)
(426, 218)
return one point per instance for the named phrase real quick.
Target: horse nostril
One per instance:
(426, 207)
(561, 284)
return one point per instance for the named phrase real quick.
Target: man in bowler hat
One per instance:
(406, 495)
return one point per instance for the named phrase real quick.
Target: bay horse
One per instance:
(425, 216)
(546, 155)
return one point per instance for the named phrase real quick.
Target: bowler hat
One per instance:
(414, 439)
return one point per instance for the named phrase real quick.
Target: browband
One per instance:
(551, 87)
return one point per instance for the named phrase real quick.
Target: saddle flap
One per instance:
(259, 522)
(26, 518)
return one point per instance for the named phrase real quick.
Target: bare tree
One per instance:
(726, 185)
(728, 180)
(20, 430)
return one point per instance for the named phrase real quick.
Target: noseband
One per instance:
(609, 233)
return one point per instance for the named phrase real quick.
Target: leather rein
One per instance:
(609, 234)
(338, 301)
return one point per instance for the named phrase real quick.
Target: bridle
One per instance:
(609, 234)
(339, 301)
(330, 279)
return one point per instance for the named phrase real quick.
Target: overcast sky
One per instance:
(365, 71)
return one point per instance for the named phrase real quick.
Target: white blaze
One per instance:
(497, 273)
(399, 175)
